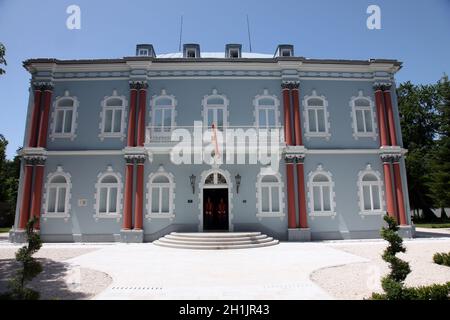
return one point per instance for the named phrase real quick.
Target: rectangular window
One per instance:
(312, 121)
(265, 199)
(61, 199)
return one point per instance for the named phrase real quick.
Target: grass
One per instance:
(432, 225)
(4, 230)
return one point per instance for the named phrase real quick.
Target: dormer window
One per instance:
(191, 53)
(285, 50)
(233, 51)
(145, 50)
(285, 53)
(191, 50)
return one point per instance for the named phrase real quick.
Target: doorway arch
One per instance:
(215, 178)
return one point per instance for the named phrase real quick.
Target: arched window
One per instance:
(370, 191)
(163, 116)
(161, 186)
(57, 195)
(363, 117)
(215, 178)
(316, 116)
(64, 117)
(266, 111)
(269, 196)
(113, 117)
(321, 193)
(215, 110)
(108, 195)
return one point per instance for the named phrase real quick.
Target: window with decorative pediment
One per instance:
(215, 110)
(370, 191)
(266, 111)
(113, 117)
(162, 115)
(161, 194)
(316, 116)
(64, 117)
(321, 193)
(363, 117)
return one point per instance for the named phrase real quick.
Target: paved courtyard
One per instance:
(316, 270)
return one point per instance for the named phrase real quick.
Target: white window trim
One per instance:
(201, 185)
(371, 108)
(172, 106)
(206, 107)
(330, 184)
(66, 214)
(72, 135)
(143, 52)
(259, 184)
(109, 172)
(123, 122)
(171, 214)
(379, 184)
(306, 107)
(258, 107)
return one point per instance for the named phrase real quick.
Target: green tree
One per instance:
(2, 57)
(439, 181)
(9, 182)
(417, 106)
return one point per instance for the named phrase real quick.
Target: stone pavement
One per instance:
(146, 271)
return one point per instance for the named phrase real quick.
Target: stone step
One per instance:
(215, 234)
(215, 240)
(215, 247)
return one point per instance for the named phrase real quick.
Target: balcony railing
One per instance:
(170, 135)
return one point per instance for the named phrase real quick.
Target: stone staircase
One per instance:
(215, 240)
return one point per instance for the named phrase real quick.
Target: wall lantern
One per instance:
(238, 182)
(192, 180)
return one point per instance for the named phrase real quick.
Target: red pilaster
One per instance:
(287, 115)
(399, 193)
(36, 198)
(390, 202)
(390, 117)
(26, 192)
(297, 120)
(141, 116)
(290, 195)
(138, 201)
(32, 140)
(128, 196)
(131, 141)
(381, 117)
(303, 221)
(43, 123)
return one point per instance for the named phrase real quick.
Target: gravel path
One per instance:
(60, 279)
(359, 280)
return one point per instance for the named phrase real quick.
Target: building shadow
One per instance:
(50, 283)
(430, 234)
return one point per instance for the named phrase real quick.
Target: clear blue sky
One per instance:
(415, 32)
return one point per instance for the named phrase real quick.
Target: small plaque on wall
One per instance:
(190, 201)
(244, 201)
(82, 202)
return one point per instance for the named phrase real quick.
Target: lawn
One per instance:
(432, 224)
(4, 230)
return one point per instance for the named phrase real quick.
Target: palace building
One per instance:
(135, 148)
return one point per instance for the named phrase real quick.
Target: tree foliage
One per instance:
(9, 182)
(424, 117)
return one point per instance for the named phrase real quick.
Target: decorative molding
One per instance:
(379, 183)
(138, 85)
(75, 104)
(201, 185)
(306, 107)
(382, 85)
(356, 134)
(259, 185)
(68, 185)
(123, 121)
(310, 185)
(287, 84)
(150, 184)
(223, 106)
(275, 107)
(42, 85)
(119, 205)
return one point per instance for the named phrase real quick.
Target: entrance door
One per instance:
(215, 209)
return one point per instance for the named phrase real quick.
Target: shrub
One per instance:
(30, 267)
(393, 283)
(442, 258)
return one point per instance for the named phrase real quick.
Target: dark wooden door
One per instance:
(215, 209)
